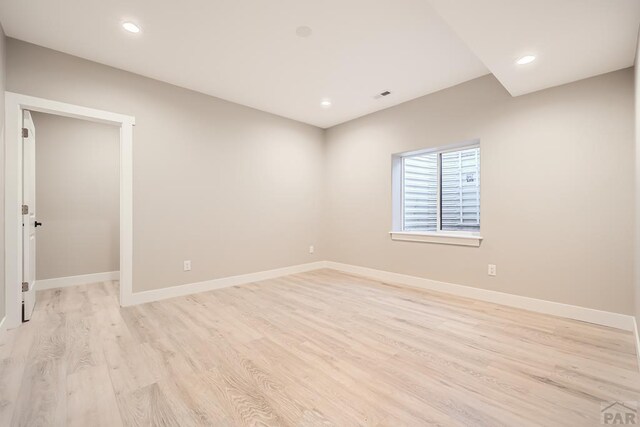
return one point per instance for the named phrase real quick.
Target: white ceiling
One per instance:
(572, 39)
(247, 51)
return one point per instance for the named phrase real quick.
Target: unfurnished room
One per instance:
(320, 213)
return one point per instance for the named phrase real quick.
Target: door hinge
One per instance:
(25, 133)
(25, 286)
(25, 209)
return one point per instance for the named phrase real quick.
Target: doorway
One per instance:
(70, 191)
(15, 247)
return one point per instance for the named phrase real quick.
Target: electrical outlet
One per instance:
(187, 266)
(311, 249)
(492, 270)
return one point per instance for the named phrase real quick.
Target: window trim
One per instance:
(461, 238)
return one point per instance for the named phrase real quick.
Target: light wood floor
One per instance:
(314, 349)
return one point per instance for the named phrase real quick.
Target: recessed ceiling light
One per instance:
(303, 31)
(131, 27)
(325, 103)
(527, 59)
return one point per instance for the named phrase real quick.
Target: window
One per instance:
(437, 195)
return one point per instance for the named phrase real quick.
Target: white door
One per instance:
(29, 223)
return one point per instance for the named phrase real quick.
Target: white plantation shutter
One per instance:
(421, 192)
(442, 183)
(460, 209)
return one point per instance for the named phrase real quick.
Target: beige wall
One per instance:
(230, 188)
(237, 190)
(77, 194)
(557, 189)
(3, 74)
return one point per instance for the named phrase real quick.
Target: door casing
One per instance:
(15, 103)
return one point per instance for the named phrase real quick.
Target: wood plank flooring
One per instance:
(314, 349)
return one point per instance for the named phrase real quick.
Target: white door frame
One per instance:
(14, 104)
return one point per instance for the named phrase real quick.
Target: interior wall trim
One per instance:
(604, 318)
(224, 282)
(599, 317)
(83, 279)
(15, 104)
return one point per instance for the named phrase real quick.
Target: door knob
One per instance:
(37, 224)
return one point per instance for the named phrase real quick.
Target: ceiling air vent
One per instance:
(382, 94)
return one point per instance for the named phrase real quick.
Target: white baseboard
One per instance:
(224, 282)
(615, 320)
(2, 328)
(84, 279)
(605, 318)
